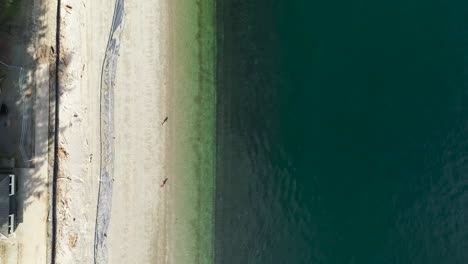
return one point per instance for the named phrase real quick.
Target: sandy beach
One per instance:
(138, 218)
(161, 72)
(137, 225)
(81, 55)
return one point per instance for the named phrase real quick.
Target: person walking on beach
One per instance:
(165, 120)
(164, 182)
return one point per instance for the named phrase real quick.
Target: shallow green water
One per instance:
(193, 121)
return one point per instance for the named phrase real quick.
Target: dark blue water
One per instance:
(342, 133)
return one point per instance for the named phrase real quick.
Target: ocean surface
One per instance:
(341, 132)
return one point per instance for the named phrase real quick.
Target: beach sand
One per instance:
(160, 73)
(137, 232)
(84, 28)
(137, 225)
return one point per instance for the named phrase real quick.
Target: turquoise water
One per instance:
(341, 132)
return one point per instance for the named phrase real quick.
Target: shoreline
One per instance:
(192, 155)
(156, 72)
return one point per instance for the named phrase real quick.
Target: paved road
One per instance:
(29, 245)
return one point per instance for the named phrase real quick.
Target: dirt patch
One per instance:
(28, 92)
(62, 153)
(73, 239)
